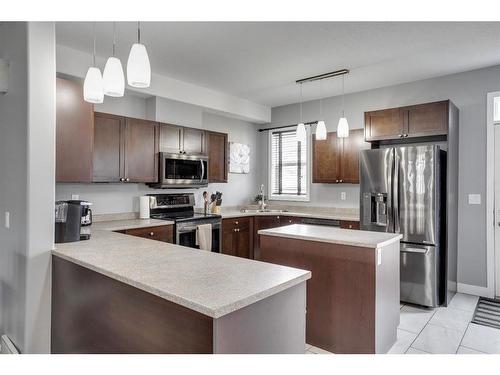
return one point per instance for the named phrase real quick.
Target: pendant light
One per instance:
(114, 81)
(301, 128)
(321, 127)
(343, 126)
(93, 91)
(138, 66)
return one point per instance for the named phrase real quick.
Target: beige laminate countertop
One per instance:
(322, 233)
(209, 283)
(333, 216)
(128, 224)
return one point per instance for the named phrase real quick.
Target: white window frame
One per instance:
(305, 198)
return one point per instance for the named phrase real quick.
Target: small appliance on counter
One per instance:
(86, 213)
(68, 221)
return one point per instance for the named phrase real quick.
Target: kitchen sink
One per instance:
(245, 210)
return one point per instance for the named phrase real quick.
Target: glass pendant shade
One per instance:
(114, 81)
(343, 128)
(321, 131)
(301, 132)
(138, 67)
(93, 91)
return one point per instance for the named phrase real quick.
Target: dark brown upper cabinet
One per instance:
(217, 147)
(179, 139)
(141, 150)
(74, 133)
(326, 158)
(125, 149)
(349, 160)
(422, 120)
(336, 160)
(109, 148)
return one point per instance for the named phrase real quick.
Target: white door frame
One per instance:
(490, 197)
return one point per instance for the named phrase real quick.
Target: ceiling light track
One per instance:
(336, 73)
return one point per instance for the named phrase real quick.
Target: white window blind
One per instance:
(288, 165)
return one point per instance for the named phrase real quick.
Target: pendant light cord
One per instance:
(301, 103)
(114, 37)
(139, 32)
(321, 99)
(343, 94)
(93, 50)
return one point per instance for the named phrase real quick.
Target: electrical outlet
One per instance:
(7, 219)
(474, 198)
(343, 196)
(75, 197)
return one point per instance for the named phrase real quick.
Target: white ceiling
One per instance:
(261, 61)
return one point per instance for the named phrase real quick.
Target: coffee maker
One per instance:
(68, 221)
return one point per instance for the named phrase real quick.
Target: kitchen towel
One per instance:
(204, 237)
(144, 207)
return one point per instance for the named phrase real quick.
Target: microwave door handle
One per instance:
(202, 170)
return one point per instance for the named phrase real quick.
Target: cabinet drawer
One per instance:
(236, 223)
(288, 220)
(163, 233)
(344, 224)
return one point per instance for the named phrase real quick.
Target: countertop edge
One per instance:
(344, 217)
(213, 313)
(266, 232)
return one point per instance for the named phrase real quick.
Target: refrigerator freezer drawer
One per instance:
(419, 270)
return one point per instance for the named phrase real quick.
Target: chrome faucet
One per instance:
(262, 198)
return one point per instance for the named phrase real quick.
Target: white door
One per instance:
(497, 196)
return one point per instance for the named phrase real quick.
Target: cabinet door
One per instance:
(170, 138)
(349, 166)
(74, 133)
(426, 119)
(108, 160)
(262, 222)
(193, 141)
(164, 233)
(344, 224)
(217, 157)
(141, 149)
(326, 159)
(384, 124)
(237, 237)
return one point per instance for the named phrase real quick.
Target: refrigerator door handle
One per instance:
(395, 193)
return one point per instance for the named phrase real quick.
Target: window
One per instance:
(289, 166)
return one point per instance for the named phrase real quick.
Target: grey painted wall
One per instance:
(13, 183)
(117, 198)
(27, 128)
(468, 91)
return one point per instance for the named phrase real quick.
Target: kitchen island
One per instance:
(353, 295)
(117, 293)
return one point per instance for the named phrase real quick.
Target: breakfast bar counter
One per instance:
(117, 293)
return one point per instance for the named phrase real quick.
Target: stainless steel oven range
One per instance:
(180, 209)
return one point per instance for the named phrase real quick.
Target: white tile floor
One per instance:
(445, 330)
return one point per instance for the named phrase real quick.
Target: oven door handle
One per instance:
(202, 170)
(193, 228)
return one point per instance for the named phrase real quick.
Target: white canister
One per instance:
(144, 207)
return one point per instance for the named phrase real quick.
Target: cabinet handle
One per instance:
(401, 135)
(151, 234)
(236, 223)
(406, 135)
(121, 179)
(236, 230)
(337, 181)
(341, 180)
(127, 179)
(350, 226)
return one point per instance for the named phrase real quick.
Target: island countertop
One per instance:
(322, 233)
(209, 283)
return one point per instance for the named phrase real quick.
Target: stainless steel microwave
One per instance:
(182, 171)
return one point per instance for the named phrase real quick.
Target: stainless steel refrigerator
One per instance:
(403, 190)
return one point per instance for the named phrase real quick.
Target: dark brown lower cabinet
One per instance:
(163, 233)
(262, 222)
(237, 237)
(344, 224)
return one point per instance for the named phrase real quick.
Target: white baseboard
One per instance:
(475, 290)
